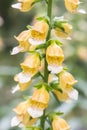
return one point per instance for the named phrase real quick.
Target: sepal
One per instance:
(49, 42)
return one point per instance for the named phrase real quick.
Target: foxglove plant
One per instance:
(45, 59)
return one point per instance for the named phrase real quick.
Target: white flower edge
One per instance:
(73, 94)
(23, 77)
(35, 112)
(82, 11)
(16, 88)
(16, 50)
(35, 42)
(16, 6)
(55, 69)
(15, 121)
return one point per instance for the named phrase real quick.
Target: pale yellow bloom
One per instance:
(24, 44)
(21, 86)
(61, 96)
(39, 102)
(59, 124)
(54, 57)
(23, 116)
(39, 33)
(30, 67)
(67, 30)
(72, 5)
(31, 64)
(23, 5)
(67, 81)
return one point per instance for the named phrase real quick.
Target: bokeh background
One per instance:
(12, 22)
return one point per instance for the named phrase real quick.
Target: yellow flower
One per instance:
(23, 116)
(24, 44)
(30, 67)
(23, 5)
(72, 5)
(67, 30)
(54, 57)
(39, 102)
(59, 124)
(21, 86)
(39, 33)
(61, 96)
(31, 64)
(67, 81)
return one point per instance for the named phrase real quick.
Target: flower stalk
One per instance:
(49, 14)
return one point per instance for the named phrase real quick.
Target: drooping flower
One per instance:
(23, 116)
(30, 67)
(62, 96)
(67, 81)
(59, 124)
(39, 33)
(63, 31)
(72, 6)
(21, 86)
(54, 57)
(39, 102)
(24, 44)
(24, 5)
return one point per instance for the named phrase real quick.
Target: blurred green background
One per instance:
(12, 22)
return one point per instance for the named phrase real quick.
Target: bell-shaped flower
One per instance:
(62, 96)
(23, 116)
(24, 44)
(21, 86)
(59, 124)
(24, 5)
(39, 102)
(30, 67)
(63, 31)
(39, 33)
(72, 6)
(54, 57)
(67, 81)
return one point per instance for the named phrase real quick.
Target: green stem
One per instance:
(49, 14)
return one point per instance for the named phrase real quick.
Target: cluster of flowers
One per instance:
(60, 82)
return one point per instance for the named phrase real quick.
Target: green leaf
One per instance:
(49, 42)
(29, 27)
(40, 46)
(35, 2)
(59, 113)
(55, 85)
(38, 86)
(45, 18)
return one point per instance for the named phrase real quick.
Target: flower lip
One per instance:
(35, 42)
(35, 112)
(16, 6)
(16, 50)
(55, 69)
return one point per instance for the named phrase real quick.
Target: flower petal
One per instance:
(35, 112)
(16, 88)
(55, 69)
(15, 121)
(16, 50)
(35, 42)
(73, 94)
(23, 77)
(82, 11)
(16, 6)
